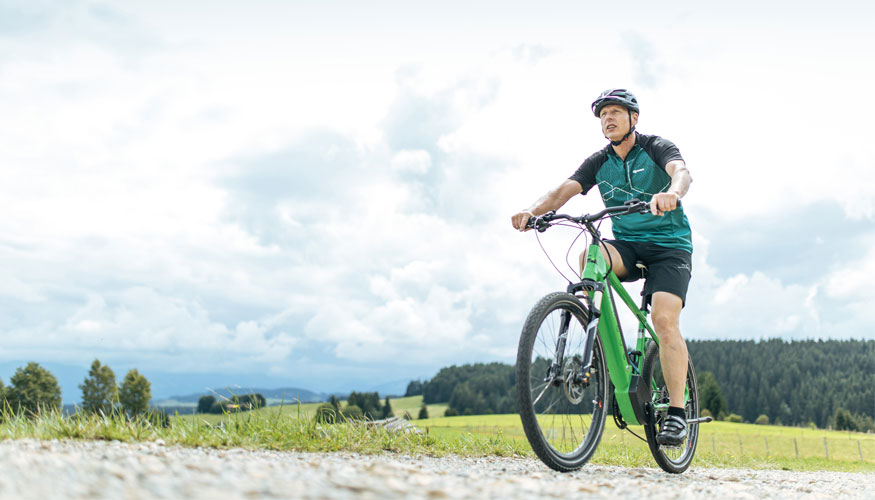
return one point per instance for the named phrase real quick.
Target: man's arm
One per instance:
(553, 200)
(680, 184)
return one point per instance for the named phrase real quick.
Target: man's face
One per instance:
(615, 121)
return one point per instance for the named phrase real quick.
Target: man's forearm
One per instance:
(555, 198)
(680, 181)
(550, 201)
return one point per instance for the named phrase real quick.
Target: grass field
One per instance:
(721, 444)
(292, 427)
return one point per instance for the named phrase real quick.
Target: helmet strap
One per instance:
(631, 129)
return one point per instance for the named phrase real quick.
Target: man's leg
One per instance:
(672, 348)
(611, 255)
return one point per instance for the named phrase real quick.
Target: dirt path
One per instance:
(91, 469)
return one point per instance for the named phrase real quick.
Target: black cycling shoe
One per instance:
(673, 432)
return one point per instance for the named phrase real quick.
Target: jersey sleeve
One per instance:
(663, 152)
(585, 173)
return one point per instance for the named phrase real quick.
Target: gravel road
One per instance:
(97, 469)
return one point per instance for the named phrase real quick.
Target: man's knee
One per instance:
(666, 313)
(664, 321)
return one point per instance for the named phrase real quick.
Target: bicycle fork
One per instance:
(583, 374)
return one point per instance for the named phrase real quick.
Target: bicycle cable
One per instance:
(570, 247)
(636, 435)
(538, 237)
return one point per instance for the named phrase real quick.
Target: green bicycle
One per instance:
(573, 364)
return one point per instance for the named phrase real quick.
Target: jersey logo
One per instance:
(639, 170)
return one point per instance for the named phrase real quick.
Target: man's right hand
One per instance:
(520, 220)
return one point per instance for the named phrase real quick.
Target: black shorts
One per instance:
(668, 269)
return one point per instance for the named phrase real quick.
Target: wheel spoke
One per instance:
(535, 402)
(564, 421)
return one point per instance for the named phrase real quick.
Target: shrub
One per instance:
(451, 412)
(732, 417)
(326, 414)
(423, 412)
(205, 403)
(762, 420)
(706, 413)
(353, 412)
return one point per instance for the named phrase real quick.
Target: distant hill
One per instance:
(287, 394)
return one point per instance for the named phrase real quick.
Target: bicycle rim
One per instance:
(563, 421)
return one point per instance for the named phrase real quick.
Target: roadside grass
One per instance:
(291, 427)
(409, 405)
(282, 430)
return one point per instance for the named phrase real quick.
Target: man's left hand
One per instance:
(663, 202)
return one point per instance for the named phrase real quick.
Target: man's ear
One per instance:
(634, 118)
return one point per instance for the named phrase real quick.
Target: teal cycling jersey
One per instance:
(640, 176)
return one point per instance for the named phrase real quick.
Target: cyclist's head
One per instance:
(617, 97)
(620, 97)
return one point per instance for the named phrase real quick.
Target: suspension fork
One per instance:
(554, 373)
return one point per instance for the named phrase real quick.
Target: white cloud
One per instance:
(412, 161)
(194, 187)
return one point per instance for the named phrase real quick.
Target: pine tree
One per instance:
(335, 403)
(33, 389)
(423, 412)
(205, 403)
(135, 393)
(99, 391)
(387, 409)
(710, 395)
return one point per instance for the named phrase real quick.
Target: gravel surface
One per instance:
(97, 469)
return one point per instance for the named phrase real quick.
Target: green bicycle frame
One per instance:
(622, 373)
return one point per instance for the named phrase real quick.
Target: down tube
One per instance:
(615, 357)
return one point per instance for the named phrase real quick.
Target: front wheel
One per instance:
(674, 459)
(562, 410)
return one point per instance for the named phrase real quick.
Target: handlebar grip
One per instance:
(540, 222)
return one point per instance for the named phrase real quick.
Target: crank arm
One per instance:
(700, 420)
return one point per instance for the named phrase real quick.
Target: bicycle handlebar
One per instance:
(542, 222)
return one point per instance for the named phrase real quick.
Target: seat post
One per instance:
(643, 269)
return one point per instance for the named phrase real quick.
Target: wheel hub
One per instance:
(574, 382)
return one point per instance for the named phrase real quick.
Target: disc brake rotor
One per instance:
(573, 390)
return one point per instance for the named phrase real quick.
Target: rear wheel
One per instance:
(563, 415)
(674, 459)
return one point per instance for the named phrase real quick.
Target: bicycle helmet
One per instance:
(620, 97)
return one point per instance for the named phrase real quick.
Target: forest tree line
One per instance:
(828, 383)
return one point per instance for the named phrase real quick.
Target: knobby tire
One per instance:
(563, 423)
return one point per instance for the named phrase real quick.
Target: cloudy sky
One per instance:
(318, 194)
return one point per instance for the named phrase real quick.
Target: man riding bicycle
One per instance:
(648, 168)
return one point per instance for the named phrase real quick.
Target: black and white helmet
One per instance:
(621, 97)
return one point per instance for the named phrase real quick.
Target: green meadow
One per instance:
(721, 444)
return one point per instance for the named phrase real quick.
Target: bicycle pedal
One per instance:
(671, 447)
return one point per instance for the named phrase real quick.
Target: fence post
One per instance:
(713, 444)
(767, 444)
(860, 449)
(796, 445)
(825, 448)
(740, 446)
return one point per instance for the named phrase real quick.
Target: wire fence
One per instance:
(855, 447)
